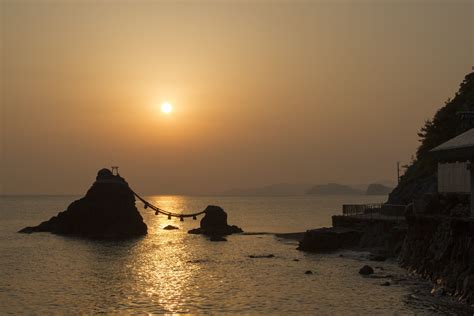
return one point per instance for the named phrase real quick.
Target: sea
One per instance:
(173, 272)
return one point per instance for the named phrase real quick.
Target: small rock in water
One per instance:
(385, 284)
(170, 227)
(217, 238)
(198, 261)
(262, 256)
(366, 270)
(308, 272)
(215, 223)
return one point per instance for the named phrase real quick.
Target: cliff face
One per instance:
(106, 211)
(441, 249)
(420, 175)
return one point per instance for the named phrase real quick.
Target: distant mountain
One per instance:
(364, 186)
(333, 189)
(387, 183)
(378, 189)
(278, 189)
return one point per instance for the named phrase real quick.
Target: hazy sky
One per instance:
(263, 91)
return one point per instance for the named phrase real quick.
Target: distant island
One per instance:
(289, 189)
(278, 189)
(333, 189)
(378, 189)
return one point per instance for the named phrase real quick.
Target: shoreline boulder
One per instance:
(107, 211)
(214, 223)
(329, 239)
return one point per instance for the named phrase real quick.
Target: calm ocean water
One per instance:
(174, 272)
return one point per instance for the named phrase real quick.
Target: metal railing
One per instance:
(359, 209)
(381, 209)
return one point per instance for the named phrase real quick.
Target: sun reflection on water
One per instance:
(162, 265)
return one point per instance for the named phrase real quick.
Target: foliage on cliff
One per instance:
(420, 175)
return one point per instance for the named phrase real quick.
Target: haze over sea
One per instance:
(172, 271)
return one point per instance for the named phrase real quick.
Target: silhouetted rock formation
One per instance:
(170, 227)
(106, 212)
(215, 223)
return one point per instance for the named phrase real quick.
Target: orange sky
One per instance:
(263, 91)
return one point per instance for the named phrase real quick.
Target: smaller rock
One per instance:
(170, 227)
(308, 272)
(385, 284)
(215, 223)
(198, 261)
(262, 256)
(296, 260)
(217, 238)
(366, 270)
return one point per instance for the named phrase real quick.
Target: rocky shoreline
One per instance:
(441, 249)
(437, 248)
(351, 232)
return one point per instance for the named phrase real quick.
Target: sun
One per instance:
(166, 107)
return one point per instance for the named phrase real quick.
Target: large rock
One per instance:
(330, 239)
(215, 223)
(353, 232)
(106, 212)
